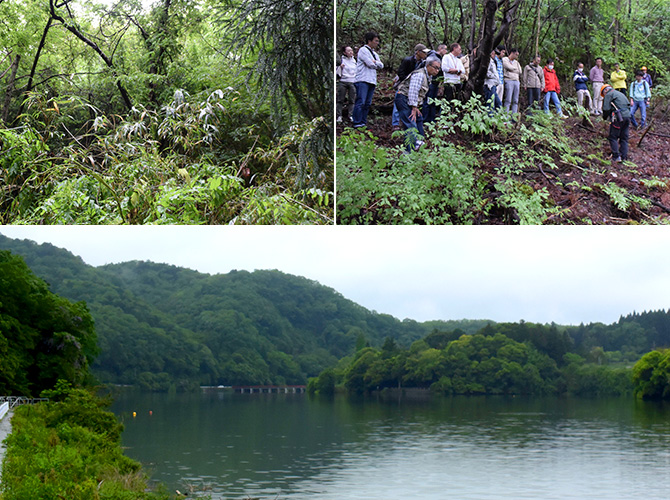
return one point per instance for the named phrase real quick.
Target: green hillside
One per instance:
(162, 326)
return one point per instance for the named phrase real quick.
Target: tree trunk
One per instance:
(537, 30)
(473, 26)
(108, 61)
(11, 82)
(486, 44)
(428, 15)
(29, 86)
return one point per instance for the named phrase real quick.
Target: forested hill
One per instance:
(161, 325)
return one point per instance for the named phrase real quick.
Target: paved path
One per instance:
(5, 428)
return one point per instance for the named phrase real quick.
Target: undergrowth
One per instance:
(69, 448)
(197, 160)
(453, 182)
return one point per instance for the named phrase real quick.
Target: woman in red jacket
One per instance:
(552, 88)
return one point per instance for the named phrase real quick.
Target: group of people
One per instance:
(421, 74)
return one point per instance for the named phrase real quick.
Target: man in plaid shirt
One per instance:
(410, 96)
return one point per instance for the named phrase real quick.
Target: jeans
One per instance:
(345, 91)
(492, 92)
(619, 139)
(533, 97)
(553, 96)
(395, 116)
(364, 91)
(404, 110)
(512, 95)
(643, 113)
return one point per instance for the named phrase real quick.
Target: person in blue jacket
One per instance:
(580, 80)
(639, 94)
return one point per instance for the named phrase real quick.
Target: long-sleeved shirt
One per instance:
(415, 87)
(501, 70)
(407, 65)
(639, 91)
(492, 78)
(597, 75)
(533, 76)
(450, 61)
(418, 80)
(647, 77)
(347, 69)
(512, 69)
(580, 80)
(551, 81)
(618, 79)
(367, 65)
(615, 100)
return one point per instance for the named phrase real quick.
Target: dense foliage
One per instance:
(489, 362)
(651, 375)
(69, 448)
(114, 114)
(43, 337)
(161, 326)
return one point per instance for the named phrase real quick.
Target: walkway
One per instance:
(5, 429)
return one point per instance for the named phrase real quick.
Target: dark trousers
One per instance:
(533, 97)
(345, 91)
(619, 139)
(452, 91)
(430, 111)
(364, 91)
(404, 110)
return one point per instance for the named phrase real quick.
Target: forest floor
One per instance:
(577, 190)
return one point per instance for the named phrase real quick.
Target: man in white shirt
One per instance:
(366, 78)
(454, 72)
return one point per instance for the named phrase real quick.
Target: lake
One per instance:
(293, 447)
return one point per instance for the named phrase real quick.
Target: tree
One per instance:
(43, 337)
(293, 40)
(651, 375)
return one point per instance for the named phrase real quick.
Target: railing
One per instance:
(14, 401)
(4, 408)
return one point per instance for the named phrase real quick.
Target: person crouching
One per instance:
(411, 93)
(615, 107)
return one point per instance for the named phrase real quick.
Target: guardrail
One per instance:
(14, 401)
(4, 408)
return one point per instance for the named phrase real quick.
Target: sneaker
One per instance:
(417, 145)
(616, 159)
(396, 128)
(339, 119)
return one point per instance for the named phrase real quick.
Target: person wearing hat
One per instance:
(409, 64)
(454, 72)
(646, 76)
(618, 78)
(617, 110)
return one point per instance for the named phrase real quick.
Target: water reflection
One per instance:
(482, 447)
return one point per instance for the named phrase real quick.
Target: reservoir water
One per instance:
(292, 447)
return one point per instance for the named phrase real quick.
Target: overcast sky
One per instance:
(540, 274)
